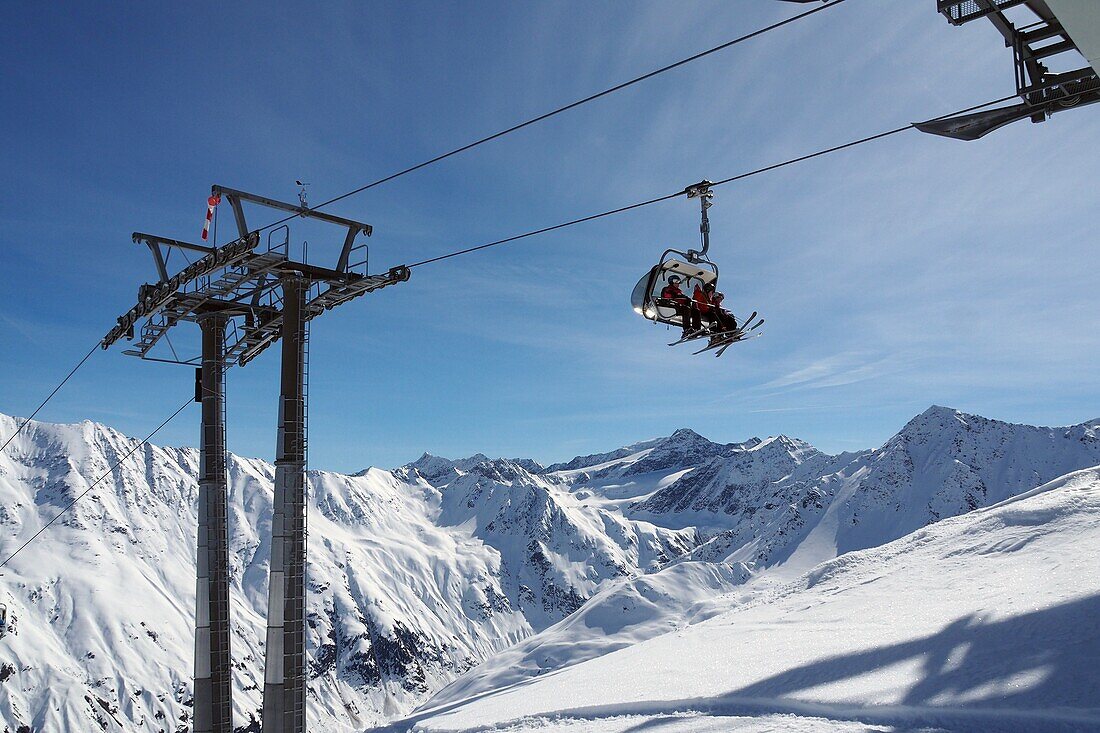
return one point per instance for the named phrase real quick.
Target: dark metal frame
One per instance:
(236, 199)
(1042, 91)
(959, 12)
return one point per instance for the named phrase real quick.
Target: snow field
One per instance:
(420, 574)
(985, 622)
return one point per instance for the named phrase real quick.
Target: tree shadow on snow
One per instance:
(1037, 672)
(1043, 660)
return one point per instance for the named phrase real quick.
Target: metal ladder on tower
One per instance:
(302, 512)
(284, 673)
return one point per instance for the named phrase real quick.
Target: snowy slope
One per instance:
(986, 622)
(404, 593)
(103, 600)
(623, 613)
(420, 573)
(555, 550)
(777, 507)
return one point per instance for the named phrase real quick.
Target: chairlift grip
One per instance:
(702, 191)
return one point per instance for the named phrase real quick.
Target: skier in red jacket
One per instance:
(708, 302)
(685, 308)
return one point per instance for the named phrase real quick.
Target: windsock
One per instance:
(211, 204)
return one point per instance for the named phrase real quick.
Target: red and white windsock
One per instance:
(211, 204)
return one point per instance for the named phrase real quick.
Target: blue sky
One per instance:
(911, 271)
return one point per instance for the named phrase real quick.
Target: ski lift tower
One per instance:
(244, 298)
(1037, 31)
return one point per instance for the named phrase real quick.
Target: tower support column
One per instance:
(284, 705)
(213, 711)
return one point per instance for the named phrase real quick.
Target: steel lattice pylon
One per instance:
(245, 300)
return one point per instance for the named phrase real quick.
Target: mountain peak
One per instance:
(502, 471)
(595, 459)
(685, 439)
(528, 464)
(437, 470)
(686, 434)
(935, 419)
(794, 446)
(683, 448)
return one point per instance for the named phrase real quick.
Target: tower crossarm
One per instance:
(1040, 33)
(154, 298)
(237, 198)
(329, 295)
(959, 12)
(1033, 39)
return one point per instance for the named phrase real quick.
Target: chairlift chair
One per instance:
(646, 298)
(695, 269)
(698, 269)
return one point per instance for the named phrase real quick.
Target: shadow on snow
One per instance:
(1038, 671)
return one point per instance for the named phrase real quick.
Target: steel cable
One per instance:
(92, 485)
(666, 197)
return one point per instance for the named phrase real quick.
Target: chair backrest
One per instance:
(647, 293)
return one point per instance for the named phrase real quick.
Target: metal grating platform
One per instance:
(964, 11)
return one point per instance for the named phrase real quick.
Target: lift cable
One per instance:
(559, 110)
(731, 179)
(92, 485)
(494, 136)
(50, 396)
(581, 220)
(468, 250)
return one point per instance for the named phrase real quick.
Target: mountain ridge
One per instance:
(982, 622)
(419, 573)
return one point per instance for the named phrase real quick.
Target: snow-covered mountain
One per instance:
(783, 506)
(409, 583)
(419, 574)
(783, 498)
(981, 623)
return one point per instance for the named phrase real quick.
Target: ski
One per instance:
(741, 334)
(718, 334)
(692, 337)
(717, 343)
(722, 347)
(746, 322)
(713, 335)
(724, 344)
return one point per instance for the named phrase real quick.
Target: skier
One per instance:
(708, 302)
(685, 308)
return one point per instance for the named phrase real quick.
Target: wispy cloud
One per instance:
(836, 370)
(907, 271)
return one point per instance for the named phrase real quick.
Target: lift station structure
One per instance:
(245, 298)
(1037, 31)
